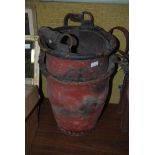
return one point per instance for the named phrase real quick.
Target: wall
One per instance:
(105, 15)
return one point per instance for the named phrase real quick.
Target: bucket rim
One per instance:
(75, 56)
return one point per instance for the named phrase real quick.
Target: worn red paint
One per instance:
(76, 70)
(77, 105)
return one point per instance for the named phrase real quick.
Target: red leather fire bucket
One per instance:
(78, 62)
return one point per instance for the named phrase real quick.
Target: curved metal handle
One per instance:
(79, 18)
(90, 21)
(124, 55)
(126, 34)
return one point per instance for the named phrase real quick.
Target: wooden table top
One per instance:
(106, 139)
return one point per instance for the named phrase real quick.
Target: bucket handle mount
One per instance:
(79, 18)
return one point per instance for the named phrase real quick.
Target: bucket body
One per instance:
(76, 70)
(77, 105)
(78, 62)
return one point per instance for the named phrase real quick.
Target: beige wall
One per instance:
(105, 15)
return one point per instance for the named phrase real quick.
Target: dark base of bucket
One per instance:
(73, 133)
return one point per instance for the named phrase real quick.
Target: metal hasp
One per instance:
(77, 62)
